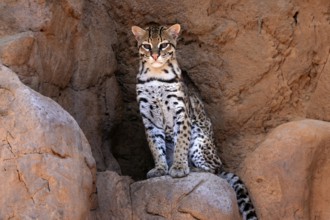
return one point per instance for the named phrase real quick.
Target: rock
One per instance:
(256, 64)
(113, 193)
(46, 167)
(319, 106)
(64, 50)
(289, 174)
(197, 196)
(15, 50)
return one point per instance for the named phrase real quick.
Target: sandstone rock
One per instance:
(197, 196)
(46, 167)
(319, 107)
(15, 50)
(289, 174)
(257, 64)
(64, 50)
(67, 49)
(114, 200)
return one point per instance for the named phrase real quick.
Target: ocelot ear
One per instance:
(174, 31)
(138, 32)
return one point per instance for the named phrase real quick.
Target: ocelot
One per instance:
(178, 131)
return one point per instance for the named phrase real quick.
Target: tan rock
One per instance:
(198, 196)
(257, 64)
(113, 192)
(289, 174)
(15, 50)
(64, 50)
(46, 167)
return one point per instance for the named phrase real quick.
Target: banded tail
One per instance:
(244, 201)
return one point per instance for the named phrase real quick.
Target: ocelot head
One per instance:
(156, 43)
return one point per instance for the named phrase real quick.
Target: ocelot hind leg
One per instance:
(202, 153)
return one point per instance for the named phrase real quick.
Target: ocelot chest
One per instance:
(160, 103)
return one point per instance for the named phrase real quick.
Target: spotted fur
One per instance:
(178, 131)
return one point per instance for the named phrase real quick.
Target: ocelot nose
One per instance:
(155, 56)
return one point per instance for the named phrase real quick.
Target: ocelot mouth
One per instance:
(159, 61)
(157, 64)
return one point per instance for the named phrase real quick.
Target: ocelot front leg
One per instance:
(182, 130)
(157, 145)
(150, 112)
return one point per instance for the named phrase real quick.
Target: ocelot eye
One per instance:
(146, 46)
(163, 46)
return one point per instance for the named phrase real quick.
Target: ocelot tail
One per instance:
(178, 131)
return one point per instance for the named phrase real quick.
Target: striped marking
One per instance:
(173, 80)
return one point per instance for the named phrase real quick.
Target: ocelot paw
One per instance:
(178, 171)
(156, 172)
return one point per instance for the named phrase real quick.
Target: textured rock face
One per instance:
(113, 197)
(63, 50)
(199, 196)
(46, 167)
(289, 174)
(257, 64)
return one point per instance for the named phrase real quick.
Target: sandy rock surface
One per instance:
(46, 166)
(289, 174)
(64, 50)
(257, 64)
(114, 197)
(199, 196)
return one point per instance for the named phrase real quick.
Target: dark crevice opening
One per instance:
(295, 17)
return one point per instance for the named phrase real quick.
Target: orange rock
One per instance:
(198, 196)
(46, 167)
(288, 175)
(113, 192)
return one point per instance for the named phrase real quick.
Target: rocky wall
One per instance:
(64, 50)
(256, 64)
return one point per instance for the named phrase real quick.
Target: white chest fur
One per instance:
(160, 101)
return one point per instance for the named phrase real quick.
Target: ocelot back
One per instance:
(178, 131)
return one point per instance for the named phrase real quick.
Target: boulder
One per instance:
(289, 174)
(201, 196)
(64, 50)
(46, 167)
